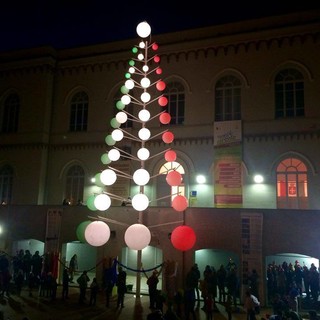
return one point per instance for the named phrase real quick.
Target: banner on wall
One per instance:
(227, 164)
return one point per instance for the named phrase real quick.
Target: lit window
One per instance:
(292, 184)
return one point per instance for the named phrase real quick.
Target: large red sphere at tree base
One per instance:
(183, 238)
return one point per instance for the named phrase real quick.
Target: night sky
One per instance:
(70, 23)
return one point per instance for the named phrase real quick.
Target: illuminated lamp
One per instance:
(81, 229)
(183, 238)
(258, 178)
(142, 45)
(143, 29)
(174, 178)
(145, 82)
(156, 59)
(165, 118)
(129, 84)
(120, 105)
(201, 179)
(144, 134)
(160, 86)
(140, 202)
(141, 177)
(121, 117)
(108, 177)
(105, 159)
(90, 203)
(158, 70)
(125, 99)
(140, 56)
(144, 115)
(179, 203)
(143, 154)
(162, 101)
(114, 123)
(145, 97)
(167, 137)
(114, 155)
(102, 202)
(170, 156)
(109, 140)
(137, 236)
(97, 180)
(117, 135)
(124, 90)
(132, 70)
(155, 47)
(97, 233)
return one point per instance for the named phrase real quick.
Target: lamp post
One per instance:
(142, 77)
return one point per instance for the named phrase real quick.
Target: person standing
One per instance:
(73, 266)
(83, 284)
(121, 287)
(152, 283)
(94, 288)
(65, 284)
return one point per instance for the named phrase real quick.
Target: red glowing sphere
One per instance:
(170, 156)
(160, 85)
(158, 70)
(179, 203)
(162, 101)
(165, 118)
(183, 238)
(174, 178)
(156, 59)
(155, 47)
(167, 137)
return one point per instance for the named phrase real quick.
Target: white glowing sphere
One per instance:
(140, 56)
(142, 45)
(143, 153)
(137, 236)
(144, 115)
(102, 202)
(129, 84)
(114, 155)
(140, 202)
(108, 177)
(117, 135)
(121, 117)
(143, 29)
(141, 177)
(145, 82)
(144, 134)
(145, 97)
(125, 99)
(97, 233)
(132, 70)
(145, 68)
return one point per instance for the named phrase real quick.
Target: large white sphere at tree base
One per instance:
(97, 233)
(140, 202)
(137, 236)
(141, 177)
(108, 177)
(102, 202)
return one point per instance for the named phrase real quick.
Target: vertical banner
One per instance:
(227, 164)
(52, 240)
(251, 242)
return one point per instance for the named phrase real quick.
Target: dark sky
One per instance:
(70, 23)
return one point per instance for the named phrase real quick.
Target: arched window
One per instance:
(175, 94)
(74, 184)
(165, 193)
(79, 112)
(292, 184)
(6, 182)
(289, 94)
(10, 117)
(228, 99)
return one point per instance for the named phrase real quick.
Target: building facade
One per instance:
(243, 99)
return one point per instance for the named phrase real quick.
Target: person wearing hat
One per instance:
(152, 283)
